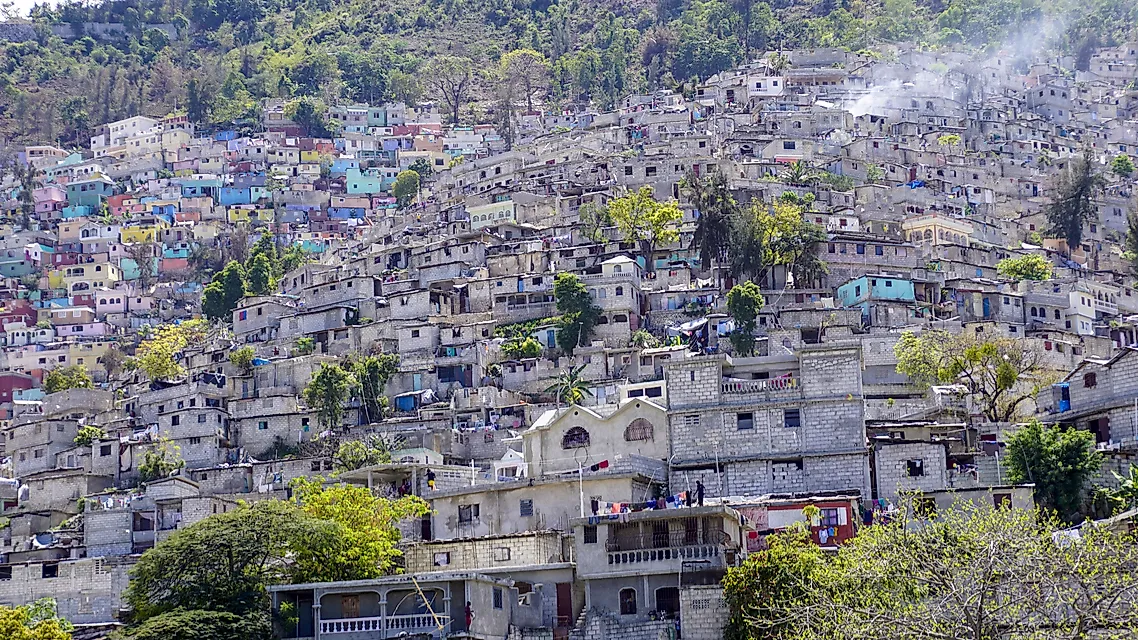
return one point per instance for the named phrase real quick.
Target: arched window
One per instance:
(602, 320)
(928, 234)
(638, 429)
(575, 438)
(628, 602)
(619, 290)
(620, 317)
(1056, 314)
(1034, 313)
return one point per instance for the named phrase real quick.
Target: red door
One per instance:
(564, 610)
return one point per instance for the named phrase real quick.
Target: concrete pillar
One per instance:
(316, 616)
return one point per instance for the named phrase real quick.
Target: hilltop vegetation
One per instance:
(226, 55)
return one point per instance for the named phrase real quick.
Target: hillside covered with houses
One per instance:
(610, 349)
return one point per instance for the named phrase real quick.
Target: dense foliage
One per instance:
(973, 572)
(36, 621)
(1059, 461)
(216, 58)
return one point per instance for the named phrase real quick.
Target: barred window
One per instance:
(575, 438)
(638, 429)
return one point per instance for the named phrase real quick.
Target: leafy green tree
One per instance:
(372, 374)
(224, 562)
(578, 313)
(157, 356)
(70, 377)
(744, 301)
(305, 346)
(1028, 267)
(1073, 205)
(874, 173)
(1122, 165)
(405, 187)
(645, 221)
(1000, 373)
(366, 546)
(1058, 460)
(522, 347)
(449, 78)
(975, 572)
(594, 219)
(570, 386)
(422, 167)
(364, 452)
(527, 71)
(198, 624)
(36, 621)
(88, 435)
(294, 257)
(768, 582)
(768, 236)
(309, 113)
(160, 460)
(261, 281)
(327, 392)
(221, 295)
(643, 339)
(243, 358)
(799, 173)
(711, 198)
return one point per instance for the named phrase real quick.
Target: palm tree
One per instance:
(570, 386)
(712, 199)
(799, 174)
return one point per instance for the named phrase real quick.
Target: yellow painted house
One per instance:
(249, 214)
(84, 277)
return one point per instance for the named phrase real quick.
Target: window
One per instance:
(501, 554)
(590, 534)
(467, 513)
(745, 420)
(5, 573)
(916, 468)
(1002, 500)
(791, 418)
(175, 421)
(262, 425)
(829, 518)
(414, 333)
(691, 420)
(525, 508)
(105, 450)
(497, 597)
(787, 145)
(878, 250)
(201, 418)
(638, 429)
(575, 438)
(50, 570)
(442, 559)
(861, 249)
(1090, 380)
(628, 602)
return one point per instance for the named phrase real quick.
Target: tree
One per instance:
(578, 313)
(643, 339)
(449, 78)
(63, 378)
(327, 392)
(874, 173)
(1131, 252)
(261, 280)
(799, 174)
(112, 360)
(522, 347)
(366, 546)
(305, 346)
(526, 71)
(422, 167)
(1000, 373)
(768, 582)
(309, 112)
(294, 257)
(143, 254)
(711, 198)
(198, 102)
(221, 295)
(198, 624)
(644, 221)
(1072, 206)
(157, 356)
(356, 454)
(570, 387)
(36, 621)
(1058, 460)
(372, 374)
(405, 187)
(160, 461)
(1122, 165)
(973, 572)
(744, 301)
(224, 562)
(768, 236)
(243, 358)
(1028, 267)
(88, 435)
(594, 219)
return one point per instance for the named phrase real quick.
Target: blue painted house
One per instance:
(90, 192)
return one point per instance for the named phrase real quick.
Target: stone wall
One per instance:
(703, 612)
(891, 462)
(86, 591)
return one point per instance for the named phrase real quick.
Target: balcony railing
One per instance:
(393, 623)
(756, 386)
(693, 552)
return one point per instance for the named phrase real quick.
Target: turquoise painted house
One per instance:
(860, 291)
(89, 192)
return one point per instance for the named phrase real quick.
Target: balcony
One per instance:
(732, 387)
(666, 554)
(412, 624)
